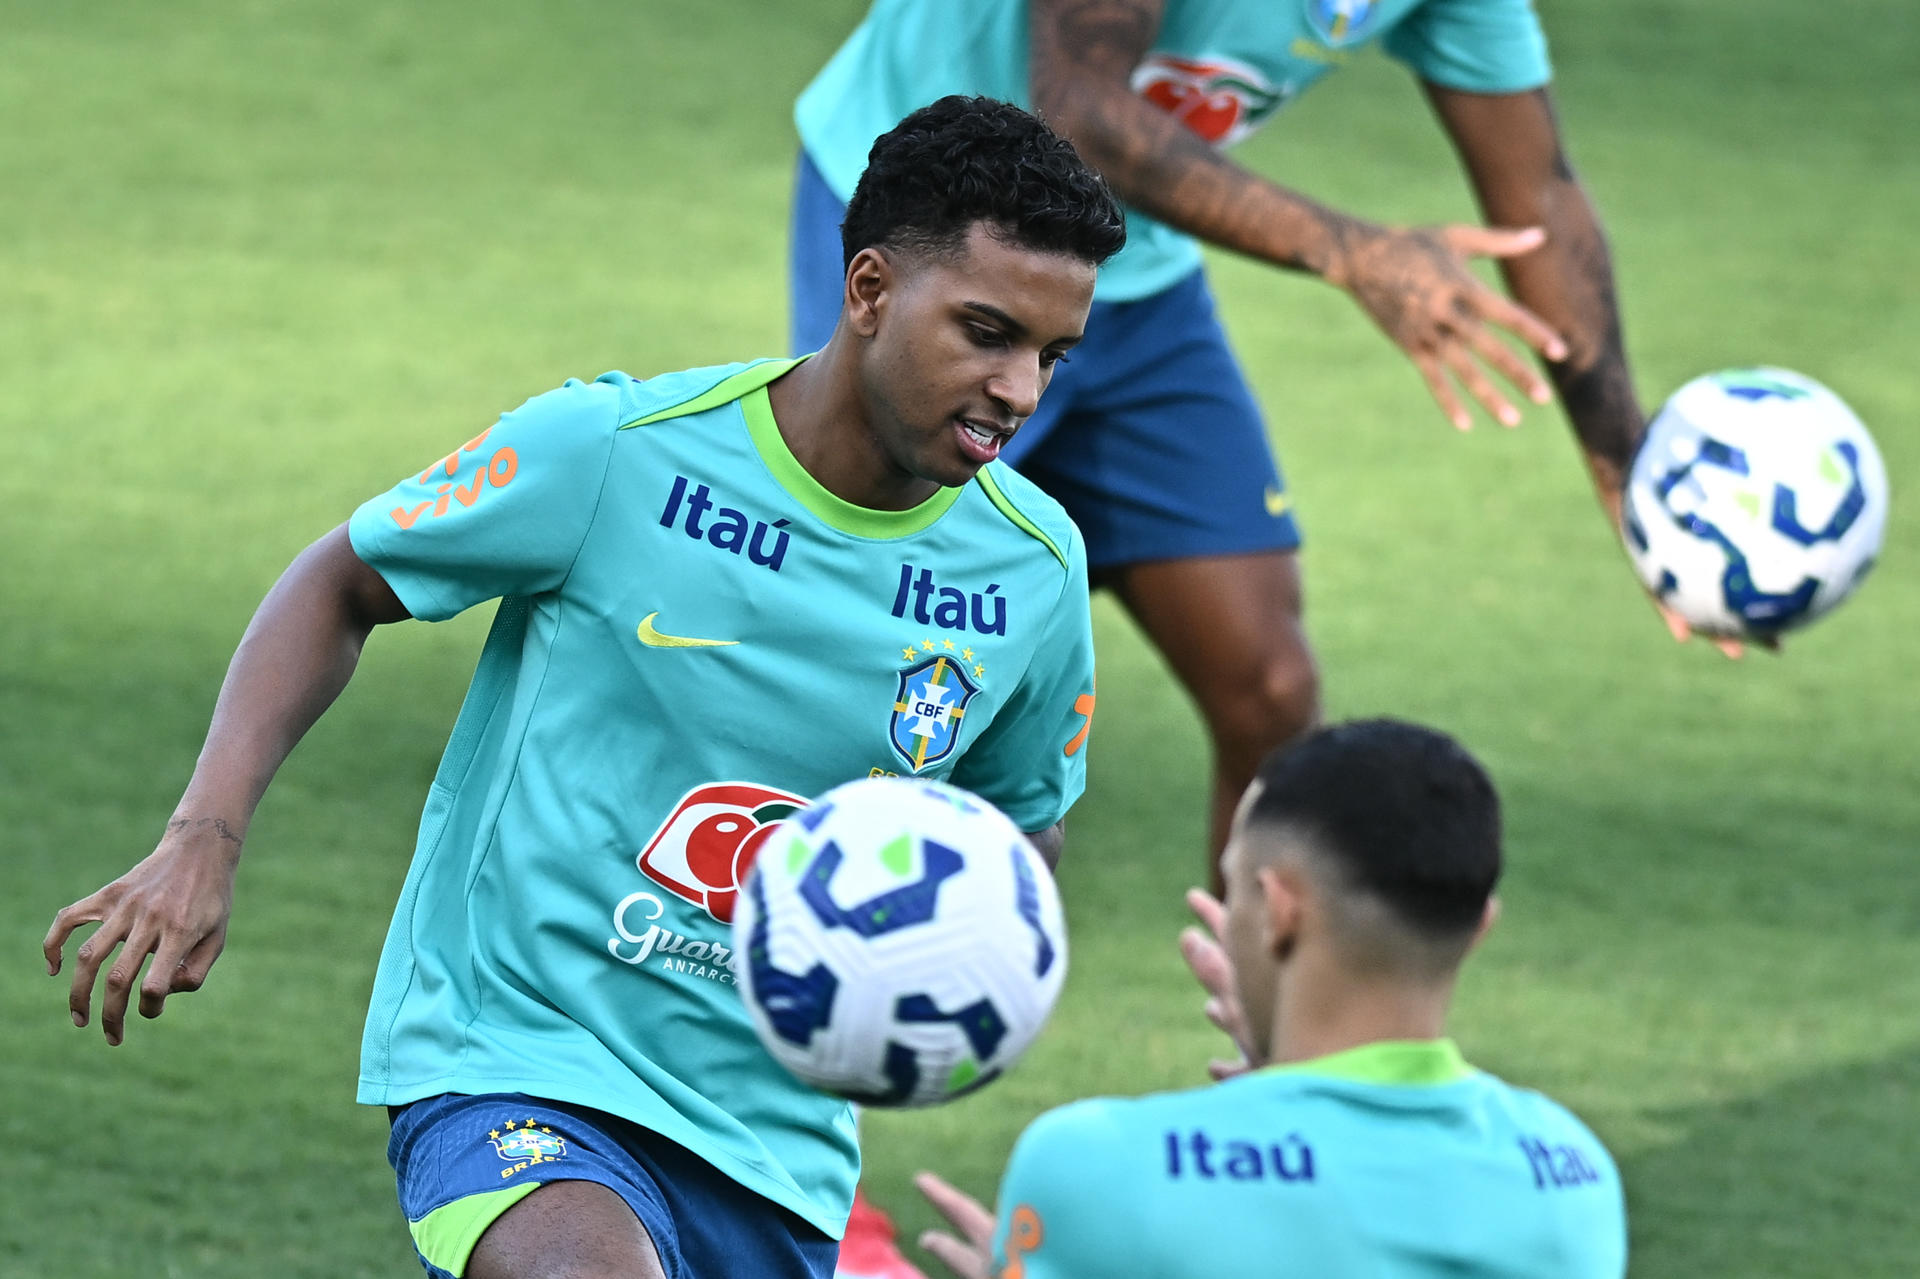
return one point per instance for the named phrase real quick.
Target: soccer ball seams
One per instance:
(904, 948)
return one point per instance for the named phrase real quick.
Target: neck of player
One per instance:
(1322, 1007)
(827, 422)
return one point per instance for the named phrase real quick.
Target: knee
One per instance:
(1276, 701)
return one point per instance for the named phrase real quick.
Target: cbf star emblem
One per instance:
(928, 709)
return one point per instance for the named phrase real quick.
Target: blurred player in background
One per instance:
(722, 591)
(1355, 1139)
(1151, 438)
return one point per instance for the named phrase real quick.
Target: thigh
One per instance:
(566, 1228)
(484, 1179)
(1162, 453)
(1225, 623)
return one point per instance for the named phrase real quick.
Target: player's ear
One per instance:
(870, 280)
(1489, 916)
(1281, 899)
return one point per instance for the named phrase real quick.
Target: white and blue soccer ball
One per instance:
(1756, 502)
(900, 943)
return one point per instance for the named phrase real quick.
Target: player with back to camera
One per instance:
(1354, 1139)
(722, 591)
(1151, 438)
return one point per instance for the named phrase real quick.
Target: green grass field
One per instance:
(259, 258)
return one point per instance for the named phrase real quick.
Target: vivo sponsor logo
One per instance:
(679, 953)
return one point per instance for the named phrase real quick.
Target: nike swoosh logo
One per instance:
(654, 638)
(1277, 503)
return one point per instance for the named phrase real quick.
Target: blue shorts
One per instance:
(462, 1161)
(1148, 435)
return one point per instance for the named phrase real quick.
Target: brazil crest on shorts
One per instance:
(928, 710)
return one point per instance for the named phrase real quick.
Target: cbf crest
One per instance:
(931, 702)
(1341, 22)
(526, 1144)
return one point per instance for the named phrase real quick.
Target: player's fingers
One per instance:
(1496, 308)
(962, 1211)
(86, 966)
(1479, 386)
(1208, 909)
(1505, 361)
(122, 976)
(192, 973)
(1442, 391)
(1221, 1069)
(1492, 241)
(1731, 647)
(1207, 961)
(165, 973)
(85, 911)
(1676, 624)
(966, 1262)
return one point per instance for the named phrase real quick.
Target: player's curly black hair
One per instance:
(964, 160)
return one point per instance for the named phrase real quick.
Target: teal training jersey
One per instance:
(694, 637)
(1395, 1160)
(1222, 67)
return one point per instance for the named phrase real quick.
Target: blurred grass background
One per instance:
(259, 259)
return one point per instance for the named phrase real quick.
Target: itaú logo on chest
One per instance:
(1219, 99)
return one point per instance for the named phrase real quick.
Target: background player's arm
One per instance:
(296, 656)
(1414, 283)
(1510, 146)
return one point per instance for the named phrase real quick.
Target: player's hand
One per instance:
(1611, 498)
(968, 1252)
(173, 906)
(1201, 948)
(1418, 287)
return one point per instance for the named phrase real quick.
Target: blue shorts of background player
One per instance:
(462, 1161)
(1148, 433)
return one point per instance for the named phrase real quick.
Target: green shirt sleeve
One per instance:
(1032, 759)
(1480, 46)
(504, 514)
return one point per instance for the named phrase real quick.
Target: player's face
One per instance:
(1247, 942)
(961, 348)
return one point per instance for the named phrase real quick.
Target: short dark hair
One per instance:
(1403, 812)
(964, 160)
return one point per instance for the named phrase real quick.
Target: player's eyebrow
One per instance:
(1013, 327)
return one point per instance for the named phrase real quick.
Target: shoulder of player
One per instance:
(1541, 1118)
(1032, 513)
(1114, 1129)
(668, 396)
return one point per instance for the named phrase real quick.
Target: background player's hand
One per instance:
(1201, 948)
(173, 906)
(1611, 499)
(1417, 285)
(969, 1253)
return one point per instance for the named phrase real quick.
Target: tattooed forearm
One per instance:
(1595, 386)
(1084, 53)
(218, 825)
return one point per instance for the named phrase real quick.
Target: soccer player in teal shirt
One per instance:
(1152, 439)
(1360, 873)
(721, 591)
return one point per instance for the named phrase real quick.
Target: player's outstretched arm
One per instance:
(1414, 282)
(1511, 147)
(296, 656)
